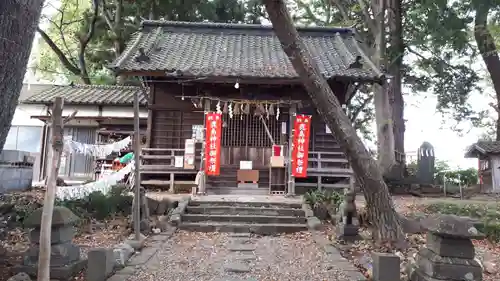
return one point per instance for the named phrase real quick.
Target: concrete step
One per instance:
(244, 219)
(230, 210)
(237, 191)
(245, 204)
(263, 229)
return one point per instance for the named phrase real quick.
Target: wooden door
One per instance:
(245, 138)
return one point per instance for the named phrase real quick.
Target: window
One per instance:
(25, 138)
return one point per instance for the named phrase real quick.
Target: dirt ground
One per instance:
(92, 235)
(360, 252)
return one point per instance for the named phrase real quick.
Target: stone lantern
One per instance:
(449, 253)
(65, 261)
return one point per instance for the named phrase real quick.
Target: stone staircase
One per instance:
(243, 217)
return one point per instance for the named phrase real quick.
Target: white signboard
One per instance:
(189, 146)
(327, 130)
(245, 165)
(197, 133)
(179, 161)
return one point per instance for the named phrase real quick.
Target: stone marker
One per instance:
(20, 277)
(449, 254)
(65, 261)
(386, 267)
(101, 262)
(347, 227)
(122, 253)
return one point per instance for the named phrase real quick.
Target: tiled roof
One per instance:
(484, 148)
(240, 51)
(89, 94)
(29, 90)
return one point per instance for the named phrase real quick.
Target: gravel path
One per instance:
(232, 257)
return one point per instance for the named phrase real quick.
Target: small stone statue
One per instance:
(347, 227)
(347, 209)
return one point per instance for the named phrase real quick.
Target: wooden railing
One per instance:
(162, 160)
(324, 165)
(328, 163)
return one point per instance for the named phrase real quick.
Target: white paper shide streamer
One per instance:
(99, 151)
(96, 150)
(103, 185)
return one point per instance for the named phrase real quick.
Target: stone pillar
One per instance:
(65, 261)
(425, 164)
(386, 267)
(449, 254)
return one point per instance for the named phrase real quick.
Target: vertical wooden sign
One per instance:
(300, 153)
(213, 127)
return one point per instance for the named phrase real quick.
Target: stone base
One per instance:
(60, 254)
(446, 268)
(451, 247)
(348, 232)
(417, 275)
(62, 273)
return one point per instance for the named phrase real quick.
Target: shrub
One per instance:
(100, 206)
(324, 203)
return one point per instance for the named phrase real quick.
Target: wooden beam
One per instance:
(149, 129)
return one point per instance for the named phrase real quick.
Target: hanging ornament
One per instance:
(261, 109)
(224, 109)
(217, 107)
(230, 110)
(277, 112)
(257, 111)
(271, 110)
(237, 109)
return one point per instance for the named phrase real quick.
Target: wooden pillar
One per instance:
(137, 174)
(291, 180)
(203, 179)
(149, 127)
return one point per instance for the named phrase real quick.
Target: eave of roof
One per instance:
(90, 95)
(151, 31)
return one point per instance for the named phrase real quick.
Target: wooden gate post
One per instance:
(291, 180)
(57, 146)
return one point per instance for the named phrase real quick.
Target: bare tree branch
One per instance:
(369, 20)
(354, 115)
(59, 53)
(84, 41)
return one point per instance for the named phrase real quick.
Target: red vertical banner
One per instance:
(300, 152)
(213, 132)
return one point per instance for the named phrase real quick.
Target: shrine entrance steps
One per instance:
(265, 218)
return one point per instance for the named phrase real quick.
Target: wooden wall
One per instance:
(170, 118)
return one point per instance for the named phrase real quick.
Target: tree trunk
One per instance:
(397, 53)
(50, 195)
(386, 222)
(18, 21)
(487, 48)
(383, 112)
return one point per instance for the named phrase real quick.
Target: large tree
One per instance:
(62, 49)
(387, 225)
(18, 21)
(372, 18)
